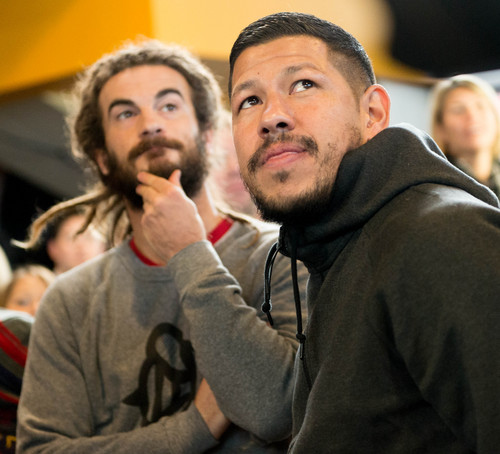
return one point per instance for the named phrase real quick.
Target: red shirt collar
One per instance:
(215, 235)
(220, 230)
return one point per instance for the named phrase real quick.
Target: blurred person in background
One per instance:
(225, 178)
(15, 329)
(5, 270)
(26, 288)
(70, 243)
(466, 125)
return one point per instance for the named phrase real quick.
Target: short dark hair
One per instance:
(351, 58)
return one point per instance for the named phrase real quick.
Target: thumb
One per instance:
(175, 178)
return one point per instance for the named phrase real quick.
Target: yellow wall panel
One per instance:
(210, 27)
(46, 40)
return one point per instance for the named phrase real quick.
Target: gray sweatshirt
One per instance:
(118, 349)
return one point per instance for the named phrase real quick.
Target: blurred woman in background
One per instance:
(466, 125)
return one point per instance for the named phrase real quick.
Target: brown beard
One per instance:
(122, 178)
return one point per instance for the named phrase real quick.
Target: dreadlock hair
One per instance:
(103, 206)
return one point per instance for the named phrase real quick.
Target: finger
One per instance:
(149, 179)
(146, 192)
(175, 178)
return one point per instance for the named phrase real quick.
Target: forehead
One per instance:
(287, 50)
(73, 222)
(28, 282)
(143, 82)
(459, 93)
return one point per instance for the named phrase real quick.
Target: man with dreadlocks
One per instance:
(140, 352)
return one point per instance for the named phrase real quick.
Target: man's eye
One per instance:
(124, 114)
(169, 107)
(249, 102)
(302, 85)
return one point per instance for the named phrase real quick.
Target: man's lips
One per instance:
(156, 151)
(280, 152)
(150, 153)
(154, 147)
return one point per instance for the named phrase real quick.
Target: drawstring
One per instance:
(296, 296)
(267, 306)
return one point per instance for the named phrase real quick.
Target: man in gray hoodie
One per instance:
(401, 352)
(142, 351)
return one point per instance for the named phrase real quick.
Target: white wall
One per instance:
(409, 103)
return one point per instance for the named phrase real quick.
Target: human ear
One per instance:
(376, 105)
(52, 250)
(101, 158)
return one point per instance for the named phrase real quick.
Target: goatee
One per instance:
(311, 204)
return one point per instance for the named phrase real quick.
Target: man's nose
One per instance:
(152, 124)
(277, 118)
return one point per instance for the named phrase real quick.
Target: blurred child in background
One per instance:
(26, 288)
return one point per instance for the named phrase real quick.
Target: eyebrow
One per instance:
(167, 91)
(244, 86)
(289, 70)
(119, 102)
(296, 68)
(128, 102)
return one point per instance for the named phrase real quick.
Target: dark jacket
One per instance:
(402, 349)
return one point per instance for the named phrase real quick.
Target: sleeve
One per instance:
(55, 411)
(248, 364)
(447, 318)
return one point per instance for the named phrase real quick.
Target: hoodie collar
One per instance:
(369, 177)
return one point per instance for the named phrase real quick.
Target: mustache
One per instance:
(309, 145)
(156, 142)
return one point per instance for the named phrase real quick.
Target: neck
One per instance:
(58, 270)
(206, 209)
(479, 162)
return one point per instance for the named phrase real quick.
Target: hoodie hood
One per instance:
(368, 178)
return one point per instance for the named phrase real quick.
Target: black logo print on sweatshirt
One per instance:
(162, 370)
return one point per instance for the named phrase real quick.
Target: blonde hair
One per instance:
(443, 88)
(39, 271)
